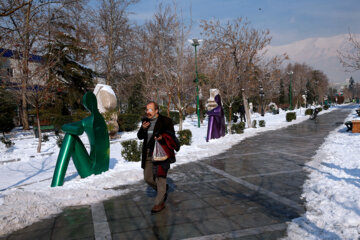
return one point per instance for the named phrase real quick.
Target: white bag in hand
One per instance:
(159, 153)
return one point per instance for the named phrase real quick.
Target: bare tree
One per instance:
(39, 93)
(307, 80)
(166, 61)
(113, 36)
(9, 7)
(350, 57)
(244, 44)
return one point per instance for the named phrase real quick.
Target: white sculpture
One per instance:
(106, 100)
(251, 108)
(211, 104)
(273, 105)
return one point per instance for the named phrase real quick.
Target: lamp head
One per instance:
(195, 42)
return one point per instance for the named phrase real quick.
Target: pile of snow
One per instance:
(25, 192)
(332, 190)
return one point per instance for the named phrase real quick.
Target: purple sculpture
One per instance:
(216, 126)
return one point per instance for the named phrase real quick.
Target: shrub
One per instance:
(131, 150)
(253, 124)
(8, 143)
(237, 128)
(185, 137)
(326, 107)
(242, 124)
(59, 140)
(45, 138)
(319, 109)
(290, 116)
(309, 111)
(128, 121)
(262, 123)
(109, 118)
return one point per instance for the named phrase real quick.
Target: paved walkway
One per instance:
(248, 192)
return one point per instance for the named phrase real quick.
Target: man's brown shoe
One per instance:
(158, 208)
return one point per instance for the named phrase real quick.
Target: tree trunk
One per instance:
(180, 109)
(247, 112)
(229, 121)
(168, 106)
(180, 120)
(24, 112)
(25, 71)
(111, 57)
(39, 130)
(201, 112)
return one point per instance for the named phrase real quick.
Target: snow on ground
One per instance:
(26, 195)
(332, 192)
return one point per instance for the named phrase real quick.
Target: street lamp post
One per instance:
(195, 43)
(290, 90)
(261, 93)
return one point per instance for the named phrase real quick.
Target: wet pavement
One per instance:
(248, 192)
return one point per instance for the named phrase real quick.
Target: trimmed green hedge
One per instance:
(262, 123)
(309, 111)
(290, 116)
(326, 107)
(254, 123)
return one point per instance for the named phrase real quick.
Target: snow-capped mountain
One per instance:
(319, 53)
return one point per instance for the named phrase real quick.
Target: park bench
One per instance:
(353, 125)
(45, 128)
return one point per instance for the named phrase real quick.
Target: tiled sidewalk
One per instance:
(249, 192)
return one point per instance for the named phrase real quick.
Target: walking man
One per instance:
(155, 127)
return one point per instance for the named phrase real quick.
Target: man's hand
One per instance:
(145, 125)
(158, 138)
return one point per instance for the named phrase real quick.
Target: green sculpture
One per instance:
(95, 128)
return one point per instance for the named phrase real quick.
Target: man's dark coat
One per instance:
(163, 124)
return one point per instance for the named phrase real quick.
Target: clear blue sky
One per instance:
(287, 20)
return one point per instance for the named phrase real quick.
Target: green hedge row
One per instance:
(290, 116)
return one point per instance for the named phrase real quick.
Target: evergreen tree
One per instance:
(72, 73)
(68, 76)
(136, 101)
(7, 111)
